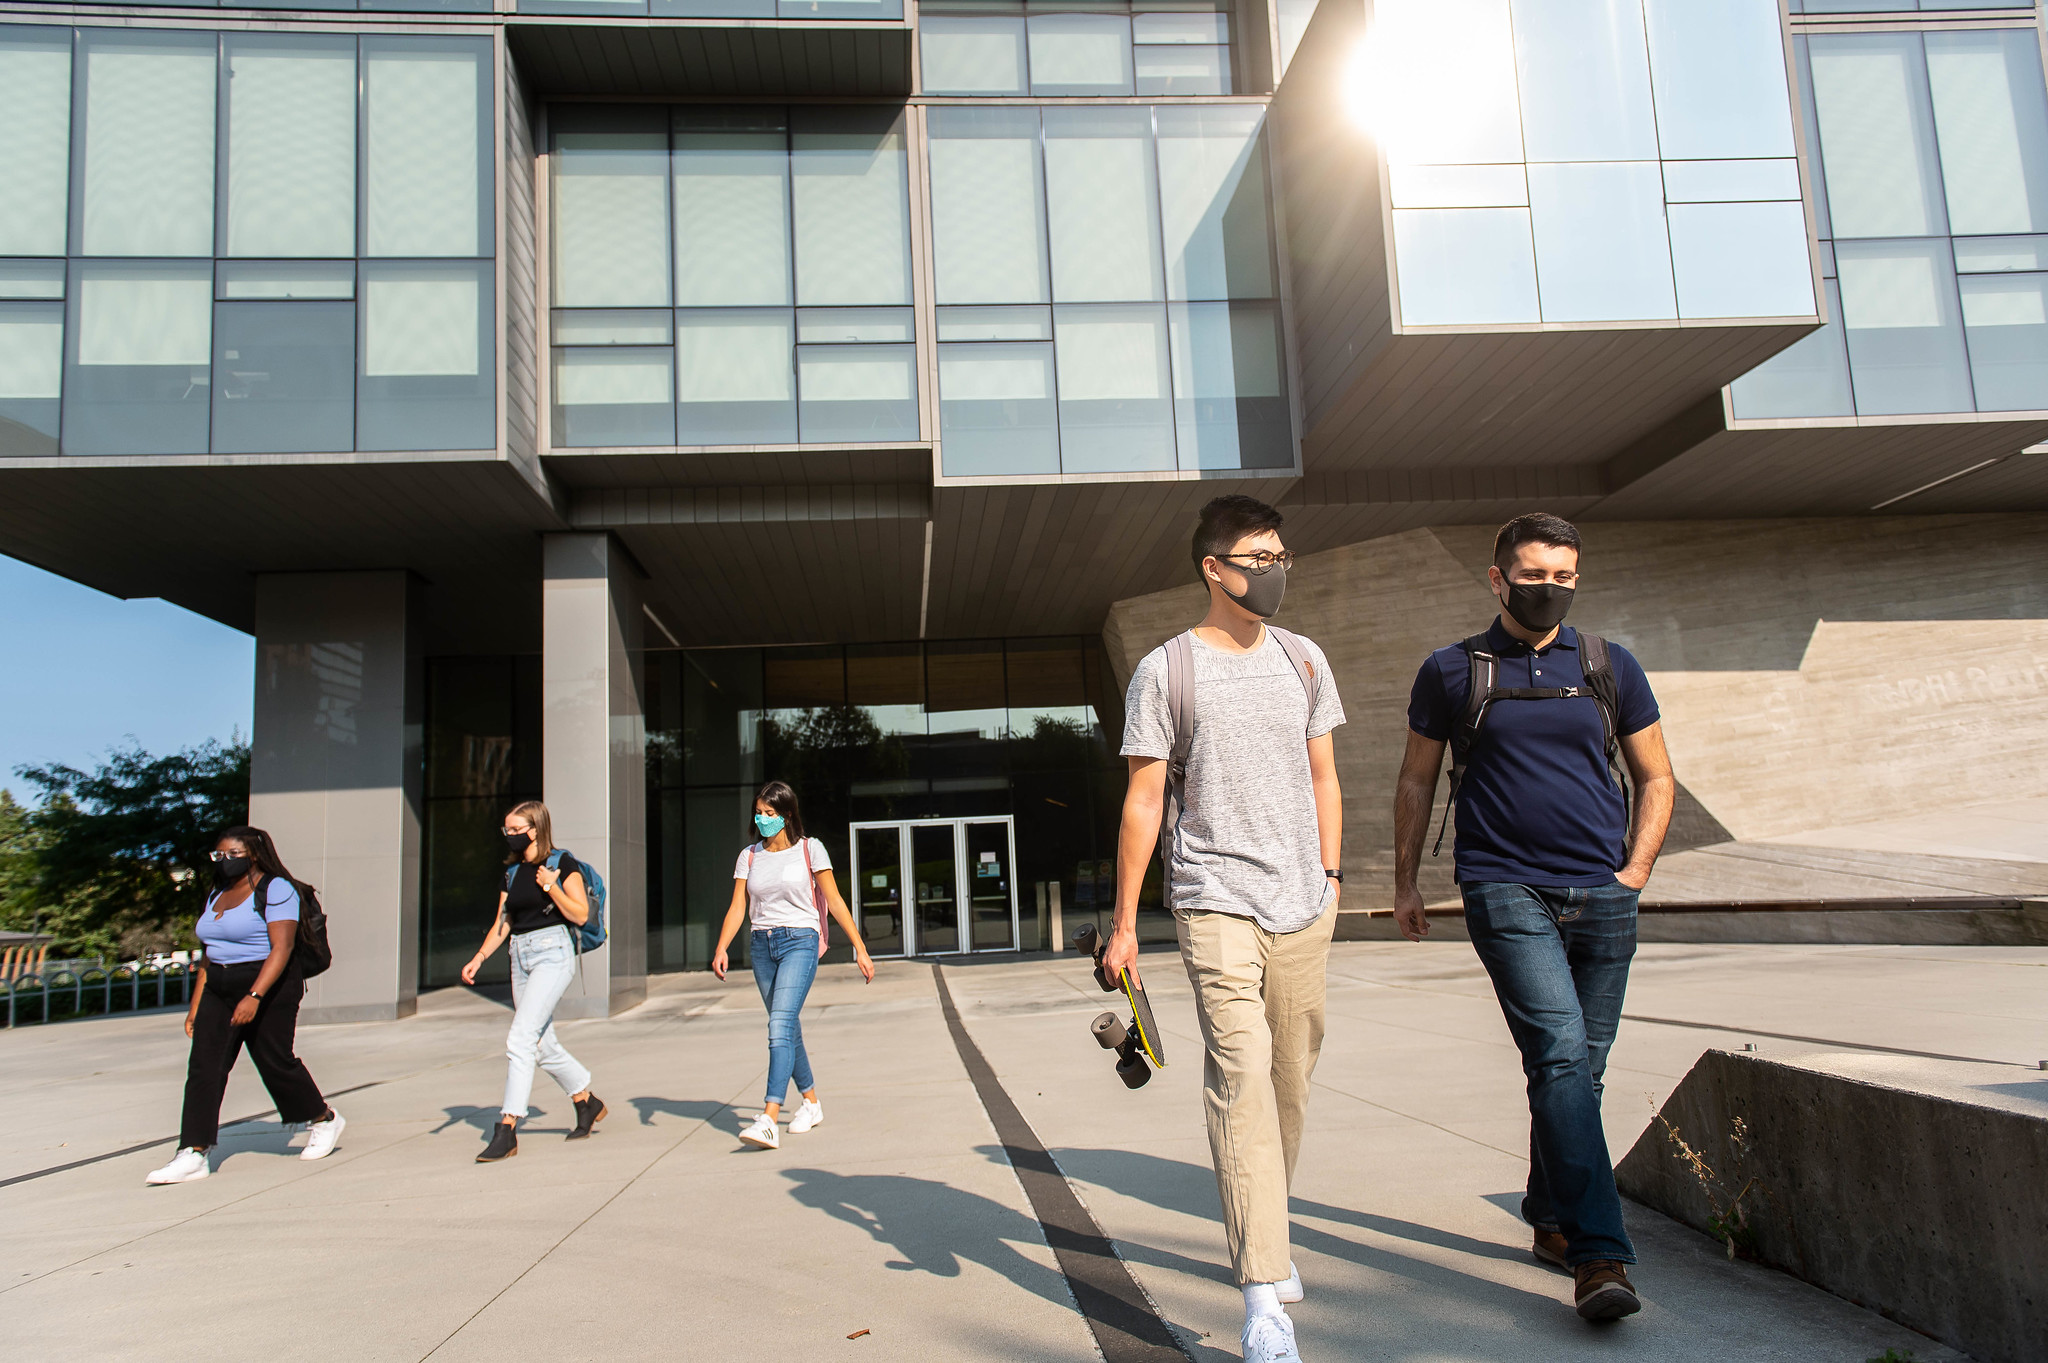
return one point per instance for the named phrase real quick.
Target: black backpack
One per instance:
(1482, 690)
(310, 952)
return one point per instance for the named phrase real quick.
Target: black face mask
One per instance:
(1538, 606)
(228, 870)
(516, 844)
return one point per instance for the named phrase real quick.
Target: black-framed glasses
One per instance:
(1262, 562)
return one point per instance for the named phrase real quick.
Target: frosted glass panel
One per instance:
(31, 279)
(137, 378)
(31, 352)
(1992, 114)
(1229, 399)
(613, 328)
(428, 377)
(284, 378)
(35, 150)
(1294, 16)
(1443, 73)
(1877, 133)
(2006, 320)
(1101, 200)
(1080, 54)
(1718, 71)
(732, 210)
(997, 411)
(1741, 260)
(972, 56)
(1602, 253)
(995, 324)
(621, 397)
(291, 279)
(857, 393)
(291, 147)
(1460, 266)
(1212, 183)
(610, 196)
(420, 325)
(1183, 70)
(852, 207)
(1585, 80)
(988, 206)
(1808, 378)
(1904, 330)
(1990, 255)
(426, 169)
(735, 378)
(128, 317)
(1116, 413)
(149, 123)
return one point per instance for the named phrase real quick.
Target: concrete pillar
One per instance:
(335, 774)
(593, 751)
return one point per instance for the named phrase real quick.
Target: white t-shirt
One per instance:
(778, 886)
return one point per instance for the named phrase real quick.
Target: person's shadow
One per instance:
(485, 1118)
(689, 1109)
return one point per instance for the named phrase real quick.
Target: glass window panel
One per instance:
(140, 342)
(1989, 255)
(1294, 18)
(31, 279)
(285, 279)
(839, 9)
(2005, 318)
(1730, 181)
(291, 146)
(35, 154)
(1808, 378)
(610, 200)
(996, 410)
(1205, 28)
(1991, 110)
(1116, 414)
(615, 396)
(995, 324)
(1442, 73)
(988, 206)
(1602, 251)
(826, 326)
(1858, 6)
(735, 380)
(1101, 192)
(1212, 184)
(148, 154)
(1080, 54)
(1816, 164)
(852, 206)
(1878, 130)
(429, 371)
(1585, 80)
(1904, 330)
(284, 378)
(1461, 266)
(31, 376)
(607, 7)
(429, 176)
(1719, 76)
(1229, 397)
(614, 328)
(972, 55)
(732, 208)
(714, 9)
(1183, 70)
(1741, 260)
(1827, 259)
(856, 393)
(1459, 186)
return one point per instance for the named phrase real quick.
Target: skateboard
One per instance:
(1136, 1042)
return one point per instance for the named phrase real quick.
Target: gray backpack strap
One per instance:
(1180, 706)
(1304, 666)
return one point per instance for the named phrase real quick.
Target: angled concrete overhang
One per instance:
(669, 58)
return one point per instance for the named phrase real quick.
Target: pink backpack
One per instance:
(817, 896)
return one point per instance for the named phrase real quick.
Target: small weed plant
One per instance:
(1729, 1196)
(1894, 1356)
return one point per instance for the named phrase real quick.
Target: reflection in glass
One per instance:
(1585, 82)
(1182, 70)
(35, 109)
(140, 345)
(1719, 75)
(619, 395)
(1741, 260)
(1446, 81)
(1992, 255)
(1465, 265)
(428, 176)
(1103, 209)
(971, 56)
(831, 326)
(31, 376)
(988, 206)
(1877, 130)
(1992, 113)
(995, 324)
(735, 381)
(1080, 54)
(996, 410)
(31, 279)
(1602, 250)
(1459, 186)
(2005, 318)
(1905, 335)
(1808, 378)
(291, 130)
(610, 203)
(1730, 181)
(429, 372)
(731, 207)
(990, 886)
(283, 377)
(147, 169)
(1115, 412)
(1229, 396)
(878, 888)
(614, 328)
(300, 279)
(938, 890)
(857, 392)
(850, 181)
(1294, 16)
(1212, 198)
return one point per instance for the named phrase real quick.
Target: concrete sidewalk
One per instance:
(663, 1237)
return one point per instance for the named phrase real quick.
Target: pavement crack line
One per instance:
(1121, 1315)
(1819, 1041)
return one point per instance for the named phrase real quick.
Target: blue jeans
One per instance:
(785, 963)
(1559, 961)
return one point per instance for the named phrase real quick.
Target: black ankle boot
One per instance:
(589, 1112)
(504, 1143)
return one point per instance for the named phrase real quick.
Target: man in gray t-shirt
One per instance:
(1252, 878)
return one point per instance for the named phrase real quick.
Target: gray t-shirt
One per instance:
(1247, 841)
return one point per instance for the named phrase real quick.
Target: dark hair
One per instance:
(778, 796)
(1225, 521)
(1538, 527)
(262, 850)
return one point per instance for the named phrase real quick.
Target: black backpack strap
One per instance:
(1598, 667)
(1482, 683)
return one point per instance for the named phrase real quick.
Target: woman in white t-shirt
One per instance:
(778, 884)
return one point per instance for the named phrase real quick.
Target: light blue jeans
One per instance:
(543, 963)
(785, 963)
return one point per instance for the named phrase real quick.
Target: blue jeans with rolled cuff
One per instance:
(1559, 959)
(785, 963)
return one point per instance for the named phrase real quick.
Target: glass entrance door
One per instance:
(935, 862)
(878, 888)
(935, 887)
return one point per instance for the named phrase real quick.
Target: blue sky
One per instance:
(87, 670)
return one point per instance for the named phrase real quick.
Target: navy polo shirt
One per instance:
(1537, 805)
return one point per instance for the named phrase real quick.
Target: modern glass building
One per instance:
(625, 401)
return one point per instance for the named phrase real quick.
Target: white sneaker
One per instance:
(1289, 1291)
(187, 1166)
(1269, 1338)
(321, 1136)
(808, 1114)
(762, 1132)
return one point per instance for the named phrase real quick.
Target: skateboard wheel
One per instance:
(1135, 1073)
(1109, 1032)
(1086, 939)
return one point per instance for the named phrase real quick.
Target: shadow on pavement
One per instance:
(484, 1118)
(690, 1109)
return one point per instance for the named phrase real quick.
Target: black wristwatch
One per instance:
(256, 996)
(1337, 876)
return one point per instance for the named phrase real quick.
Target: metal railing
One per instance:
(94, 991)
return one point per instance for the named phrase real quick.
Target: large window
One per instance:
(245, 243)
(1107, 298)
(979, 47)
(731, 276)
(1933, 149)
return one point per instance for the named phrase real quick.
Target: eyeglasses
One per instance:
(514, 832)
(225, 856)
(1263, 562)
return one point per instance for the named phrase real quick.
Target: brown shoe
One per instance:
(1602, 1290)
(1550, 1248)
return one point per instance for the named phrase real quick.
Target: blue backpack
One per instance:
(589, 935)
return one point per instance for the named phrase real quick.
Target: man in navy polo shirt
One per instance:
(1550, 865)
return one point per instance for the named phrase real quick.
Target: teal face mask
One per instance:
(769, 824)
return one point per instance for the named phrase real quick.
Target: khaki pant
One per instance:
(1259, 996)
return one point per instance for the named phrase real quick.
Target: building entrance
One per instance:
(936, 887)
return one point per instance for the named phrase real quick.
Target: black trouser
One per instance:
(216, 1042)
